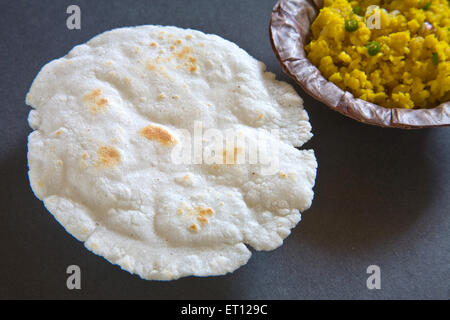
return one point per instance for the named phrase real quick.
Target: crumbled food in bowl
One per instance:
(393, 53)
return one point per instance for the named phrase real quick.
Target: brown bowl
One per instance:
(290, 31)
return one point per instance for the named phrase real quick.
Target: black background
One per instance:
(381, 195)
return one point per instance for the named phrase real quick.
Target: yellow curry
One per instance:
(393, 53)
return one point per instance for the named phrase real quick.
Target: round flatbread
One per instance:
(130, 151)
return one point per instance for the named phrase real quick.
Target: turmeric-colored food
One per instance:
(393, 53)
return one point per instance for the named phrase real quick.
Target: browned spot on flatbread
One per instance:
(150, 67)
(230, 156)
(96, 101)
(108, 157)
(159, 134)
(184, 53)
(202, 219)
(202, 214)
(183, 56)
(204, 211)
(156, 65)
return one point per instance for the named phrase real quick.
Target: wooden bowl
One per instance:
(290, 32)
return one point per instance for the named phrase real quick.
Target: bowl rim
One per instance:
(287, 37)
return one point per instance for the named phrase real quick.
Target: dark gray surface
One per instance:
(382, 196)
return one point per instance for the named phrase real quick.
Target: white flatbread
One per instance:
(108, 120)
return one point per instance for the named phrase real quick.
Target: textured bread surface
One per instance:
(109, 117)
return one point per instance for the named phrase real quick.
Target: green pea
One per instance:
(357, 10)
(427, 6)
(435, 58)
(373, 48)
(351, 25)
